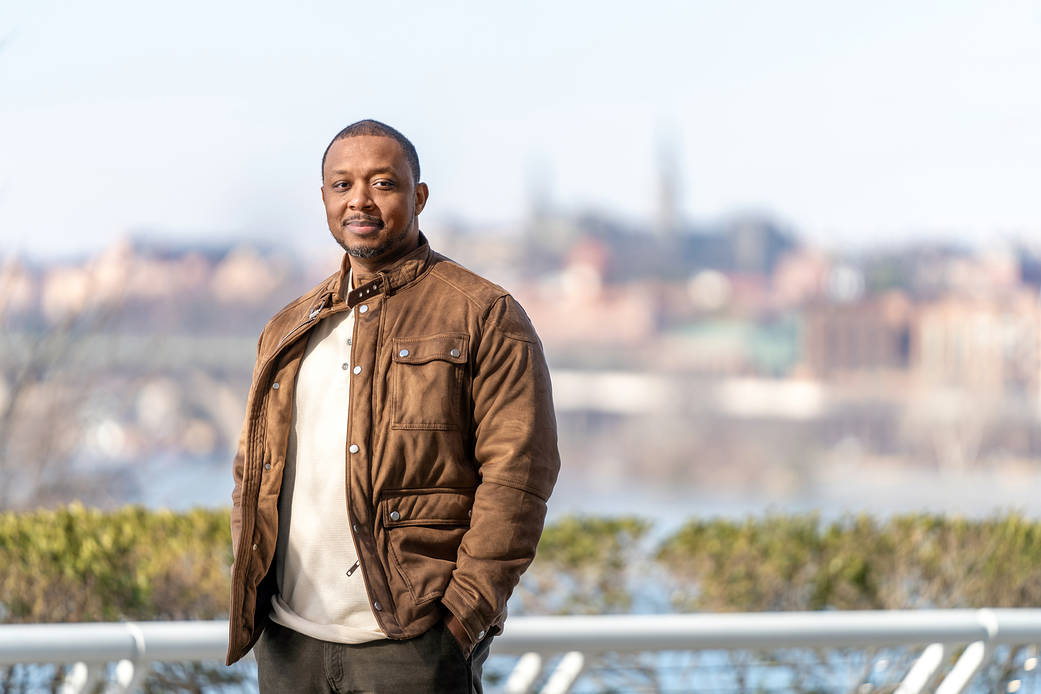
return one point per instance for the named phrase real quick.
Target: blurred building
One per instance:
(870, 335)
(985, 345)
(800, 277)
(16, 287)
(576, 307)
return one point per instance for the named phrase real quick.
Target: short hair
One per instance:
(374, 127)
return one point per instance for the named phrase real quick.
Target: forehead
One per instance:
(363, 153)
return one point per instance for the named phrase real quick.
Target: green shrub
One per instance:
(584, 565)
(801, 563)
(76, 564)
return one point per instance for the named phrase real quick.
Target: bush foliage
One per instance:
(801, 563)
(77, 564)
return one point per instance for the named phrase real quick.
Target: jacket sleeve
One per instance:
(515, 448)
(239, 462)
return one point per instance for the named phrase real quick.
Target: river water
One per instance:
(832, 491)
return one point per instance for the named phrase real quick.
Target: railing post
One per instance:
(524, 674)
(924, 670)
(129, 676)
(973, 658)
(81, 678)
(965, 669)
(565, 674)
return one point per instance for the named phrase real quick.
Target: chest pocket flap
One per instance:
(427, 381)
(420, 350)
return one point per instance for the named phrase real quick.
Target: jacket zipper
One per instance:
(354, 567)
(254, 413)
(310, 318)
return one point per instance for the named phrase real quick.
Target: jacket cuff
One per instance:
(466, 645)
(464, 623)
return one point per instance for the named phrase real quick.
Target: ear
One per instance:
(421, 196)
(323, 193)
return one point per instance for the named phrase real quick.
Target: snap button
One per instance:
(345, 366)
(355, 526)
(377, 606)
(403, 353)
(353, 448)
(274, 386)
(267, 466)
(454, 352)
(480, 634)
(357, 370)
(254, 547)
(363, 308)
(394, 515)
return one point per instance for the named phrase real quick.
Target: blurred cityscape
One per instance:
(724, 367)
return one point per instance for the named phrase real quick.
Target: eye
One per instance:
(340, 185)
(383, 184)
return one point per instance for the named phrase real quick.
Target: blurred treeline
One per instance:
(76, 564)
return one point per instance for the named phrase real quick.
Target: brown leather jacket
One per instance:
(452, 447)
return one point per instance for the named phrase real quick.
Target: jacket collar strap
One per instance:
(388, 279)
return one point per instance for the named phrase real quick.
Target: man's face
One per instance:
(371, 201)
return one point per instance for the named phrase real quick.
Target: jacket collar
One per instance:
(385, 281)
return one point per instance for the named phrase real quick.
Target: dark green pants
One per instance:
(427, 664)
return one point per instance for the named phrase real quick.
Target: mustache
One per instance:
(363, 218)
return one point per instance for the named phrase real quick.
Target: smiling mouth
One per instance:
(363, 225)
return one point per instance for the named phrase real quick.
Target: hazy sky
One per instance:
(852, 121)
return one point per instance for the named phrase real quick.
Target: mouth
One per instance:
(363, 225)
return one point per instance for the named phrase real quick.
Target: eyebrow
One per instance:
(375, 172)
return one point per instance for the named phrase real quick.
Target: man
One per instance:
(398, 451)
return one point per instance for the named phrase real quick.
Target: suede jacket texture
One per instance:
(451, 448)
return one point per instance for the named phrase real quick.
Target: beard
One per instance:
(373, 251)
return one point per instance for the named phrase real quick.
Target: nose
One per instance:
(360, 198)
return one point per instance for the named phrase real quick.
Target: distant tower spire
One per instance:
(540, 187)
(667, 153)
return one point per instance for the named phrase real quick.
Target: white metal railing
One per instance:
(134, 645)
